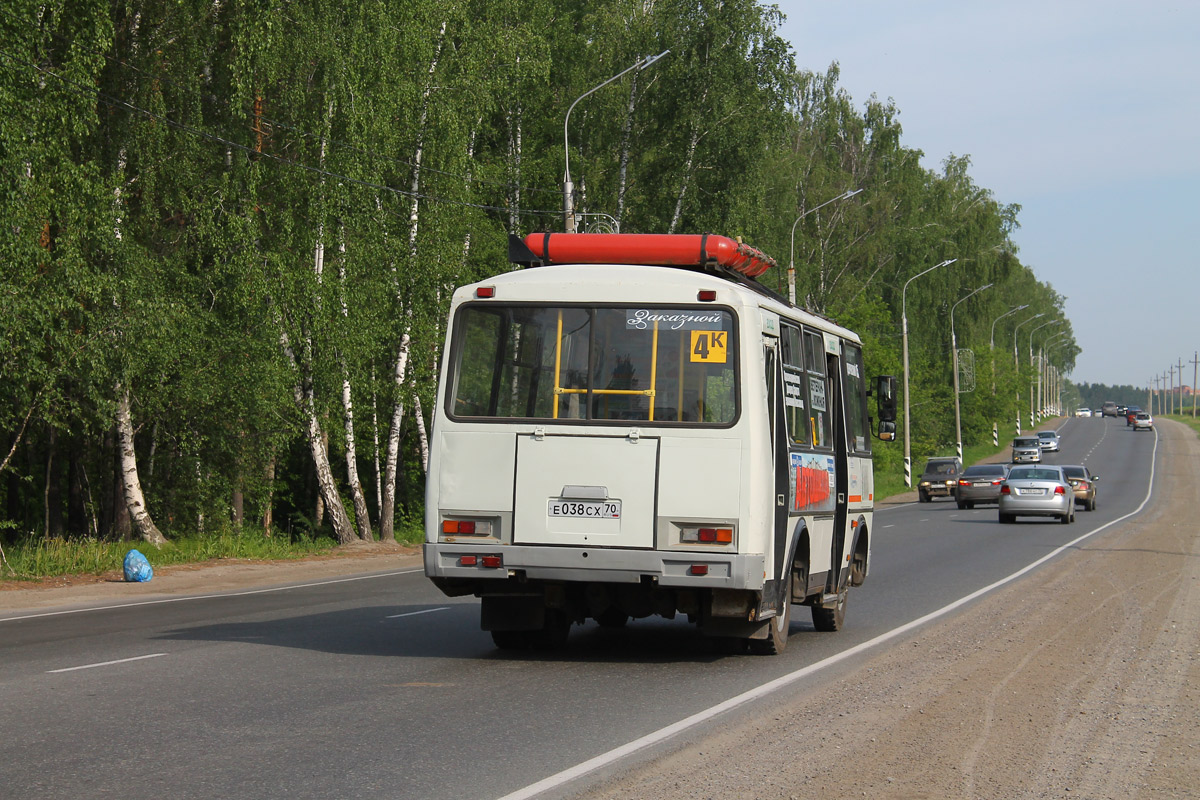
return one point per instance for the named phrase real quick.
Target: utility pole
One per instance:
(1180, 362)
(1171, 389)
(1195, 362)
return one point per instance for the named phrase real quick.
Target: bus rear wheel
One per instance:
(777, 637)
(831, 618)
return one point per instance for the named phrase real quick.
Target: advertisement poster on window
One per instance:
(812, 483)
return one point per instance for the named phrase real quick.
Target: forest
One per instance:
(232, 228)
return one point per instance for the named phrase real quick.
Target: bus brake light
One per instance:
(707, 535)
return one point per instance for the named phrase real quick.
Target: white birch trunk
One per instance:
(687, 176)
(387, 523)
(303, 393)
(514, 164)
(362, 517)
(422, 434)
(375, 451)
(626, 136)
(134, 500)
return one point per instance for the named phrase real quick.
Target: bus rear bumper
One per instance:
(452, 566)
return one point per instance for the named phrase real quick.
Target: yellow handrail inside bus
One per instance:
(653, 368)
(559, 389)
(557, 365)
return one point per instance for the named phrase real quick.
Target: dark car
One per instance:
(939, 478)
(1131, 412)
(980, 483)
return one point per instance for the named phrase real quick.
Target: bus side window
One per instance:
(794, 383)
(856, 399)
(818, 408)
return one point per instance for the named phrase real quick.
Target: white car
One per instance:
(1083, 412)
(1048, 441)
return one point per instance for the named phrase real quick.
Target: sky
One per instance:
(1084, 113)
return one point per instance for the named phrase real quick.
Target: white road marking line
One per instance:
(106, 663)
(414, 613)
(210, 596)
(662, 734)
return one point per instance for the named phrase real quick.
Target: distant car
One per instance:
(1130, 413)
(1083, 412)
(1026, 450)
(1109, 409)
(1084, 483)
(1122, 411)
(1143, 422)
(980, 483)
(1041, 491)
(1048, 441)
(939, 478)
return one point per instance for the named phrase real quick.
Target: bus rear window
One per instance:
(668, 365)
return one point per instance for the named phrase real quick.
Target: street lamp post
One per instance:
(1038, 328)
(568, 187)
(791, 271)
(1055, 373)
(1013, 310)
(954, 352)
(1017, 366)
(904, 342)
(1036, 380)
(992, 343)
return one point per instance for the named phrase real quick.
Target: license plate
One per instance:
(585, 509)
(1033, 491)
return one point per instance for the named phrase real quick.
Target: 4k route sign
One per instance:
(709, 346)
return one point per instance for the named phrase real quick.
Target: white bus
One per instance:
(633, 426)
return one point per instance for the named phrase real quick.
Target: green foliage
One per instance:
(172, 171)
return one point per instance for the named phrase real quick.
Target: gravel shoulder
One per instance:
(220, 575)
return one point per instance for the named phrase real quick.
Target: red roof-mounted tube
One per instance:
(655, 249)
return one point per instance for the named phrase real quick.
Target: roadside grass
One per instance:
(1186, 419)
(35, 558)
(43, 558)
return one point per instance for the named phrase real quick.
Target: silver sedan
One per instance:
(1041, 491)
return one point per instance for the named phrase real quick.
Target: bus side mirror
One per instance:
(885, 401)
(887, 431)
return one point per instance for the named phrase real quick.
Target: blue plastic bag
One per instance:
(137, 567)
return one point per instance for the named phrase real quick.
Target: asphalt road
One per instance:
(380, 687)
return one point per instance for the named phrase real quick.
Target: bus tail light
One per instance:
(487, 562)
(467, 527)
(485, 291)
(706, 295)
(699, 569)
(706, 535)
